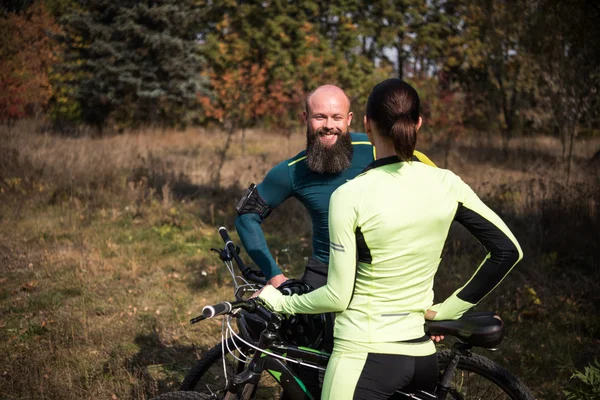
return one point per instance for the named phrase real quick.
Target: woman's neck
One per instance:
(384, 147)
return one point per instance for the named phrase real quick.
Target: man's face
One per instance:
(329, 146)
(328, 115)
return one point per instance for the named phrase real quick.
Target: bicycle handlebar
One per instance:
(225, 236)
(247, 272)
(294, 286)
(228, 307)
(217, 309)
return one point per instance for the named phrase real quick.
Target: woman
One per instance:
(394, 219)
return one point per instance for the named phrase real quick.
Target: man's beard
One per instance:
(328, 159)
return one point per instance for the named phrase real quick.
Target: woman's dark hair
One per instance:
(393, 106)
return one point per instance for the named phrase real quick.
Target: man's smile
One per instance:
(328, 138)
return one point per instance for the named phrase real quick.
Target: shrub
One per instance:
(586, 384)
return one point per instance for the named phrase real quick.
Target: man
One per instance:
(332, 157)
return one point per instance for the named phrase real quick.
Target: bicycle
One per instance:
(255, 364)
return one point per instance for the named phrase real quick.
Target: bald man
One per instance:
(332, 157)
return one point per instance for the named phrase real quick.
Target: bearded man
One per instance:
(332, 157)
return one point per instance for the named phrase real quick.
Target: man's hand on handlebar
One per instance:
(275, 281)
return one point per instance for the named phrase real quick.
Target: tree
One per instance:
(442, 110)
(27, 59)
(409, 34)
(248, 76)
(495, 70)
(566, 52)
(299, 45)
(134, 62)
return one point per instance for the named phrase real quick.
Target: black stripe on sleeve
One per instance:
(504, 254)
(362, 250)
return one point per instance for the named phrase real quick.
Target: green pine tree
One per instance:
(134, 62)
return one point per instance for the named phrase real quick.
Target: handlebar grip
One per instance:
(217, 309)
(296, 289)
(225, 235)
(293, 286)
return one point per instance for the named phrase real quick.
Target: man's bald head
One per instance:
(327, 92)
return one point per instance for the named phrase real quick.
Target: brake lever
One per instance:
(197, 319)
(224, 254)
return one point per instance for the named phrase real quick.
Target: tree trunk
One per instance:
(400, 60)
(570, 157)
(447, 148)
(563, 142)
(508, 110)
(505, 140)
(216, 180)
(596, 158)
(244, 141)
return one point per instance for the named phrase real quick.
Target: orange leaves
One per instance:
(12, 104)
(239, 95)
(262, 64)
(24, 84)
(242, 96)
(443, 110)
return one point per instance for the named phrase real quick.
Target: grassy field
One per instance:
(104, 254)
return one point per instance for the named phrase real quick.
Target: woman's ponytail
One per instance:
(393, 106)
(404, 135)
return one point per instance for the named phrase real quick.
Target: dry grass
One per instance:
(104, 254)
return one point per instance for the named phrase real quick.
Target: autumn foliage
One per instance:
(252, 83)
(27, 59)
(503, 68)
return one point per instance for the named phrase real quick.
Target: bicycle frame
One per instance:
(265, 360)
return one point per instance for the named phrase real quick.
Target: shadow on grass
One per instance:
(159, 368)
(287, 231)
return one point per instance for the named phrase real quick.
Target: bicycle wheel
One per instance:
(208, 377)
(477, 377)
(181, 396)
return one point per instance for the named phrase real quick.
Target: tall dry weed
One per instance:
(104, 253)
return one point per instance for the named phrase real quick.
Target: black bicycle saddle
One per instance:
(480, 329)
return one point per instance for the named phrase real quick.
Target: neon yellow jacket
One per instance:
(394, 219)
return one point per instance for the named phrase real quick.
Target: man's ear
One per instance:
(350, 115)
(305, 116)
(419, 123)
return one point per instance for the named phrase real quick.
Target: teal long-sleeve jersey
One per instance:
(395, 219)
(293, 178)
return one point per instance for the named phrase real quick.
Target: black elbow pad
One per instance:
(251, 202)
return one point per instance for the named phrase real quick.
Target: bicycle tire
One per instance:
(478, 377)
(181, 396)
(208, 379)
